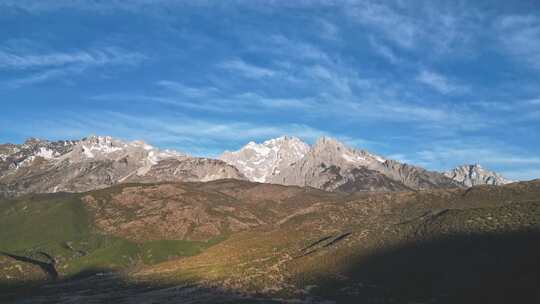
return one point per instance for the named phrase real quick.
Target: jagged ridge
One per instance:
(331, 165)
(472, 175)
(40, 166)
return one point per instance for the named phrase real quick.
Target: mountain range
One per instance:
(96, 162)
(331, 165)
(275, 222)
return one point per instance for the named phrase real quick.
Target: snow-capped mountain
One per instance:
(262, 162)
(97, 162)
(472, 175)
(100, 161)
(142, 155)
(331, 165)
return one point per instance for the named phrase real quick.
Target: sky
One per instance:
(432, 83)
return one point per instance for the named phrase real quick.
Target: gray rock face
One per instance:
(39, 166)
(330, 165)
(416, 177)
(191, 169)
(472, 175)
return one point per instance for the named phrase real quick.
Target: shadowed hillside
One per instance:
(500, 268)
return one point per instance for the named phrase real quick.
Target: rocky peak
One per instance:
(259, 162)
(328, 164)
(328, 144)
(32, 141)
(96, 162)
(472, 175)
(335, 151)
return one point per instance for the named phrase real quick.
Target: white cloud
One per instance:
(98, 57)
(439, 27)
(246, 69)
(439, 82)
(520, 37)
(38, 6)
(209, 100)
(44, 67)
(383, 50)
(44, 76)
(397, 27)
(281, 45)
(177, 131)
(187, 90)
(328, 30)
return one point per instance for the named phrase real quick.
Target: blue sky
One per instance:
(433, 83)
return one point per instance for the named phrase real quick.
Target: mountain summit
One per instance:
(262, 162)
(330, 165)
(472, 175)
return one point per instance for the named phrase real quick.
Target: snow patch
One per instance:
(352, 158)
(46, 153)
(87, 153)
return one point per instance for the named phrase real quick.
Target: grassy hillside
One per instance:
(61, 226)
(42, 219)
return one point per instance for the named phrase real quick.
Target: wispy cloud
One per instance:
(336, 91)
(329, 30)
(520, 37)
(292, 48)
(246, 69)
(439, 82)
(411, 26)
(96, 57)
(43, 76)
(37, 6)
(47, 66)
(201, 137)
(383, 50)
(209, 99)
(189, 91)
(397, 27)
